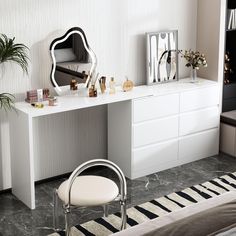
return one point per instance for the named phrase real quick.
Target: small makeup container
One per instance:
(37, 105)
(92, 91)
(52, 101)
(73, 85)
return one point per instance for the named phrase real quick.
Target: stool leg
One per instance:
(105, 210)
(67, 221)
(123, 214)
(55, 210)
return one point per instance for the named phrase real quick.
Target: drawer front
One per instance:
(200, 145)
(155, 107)
(196, 121)
(149, 159)
(199, 98)
(155, 131)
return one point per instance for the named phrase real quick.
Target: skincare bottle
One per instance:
(112, 86)
(40, 95)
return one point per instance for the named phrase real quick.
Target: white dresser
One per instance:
(178, 123)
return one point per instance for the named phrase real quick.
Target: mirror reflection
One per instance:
(72, 59)
(162, 58)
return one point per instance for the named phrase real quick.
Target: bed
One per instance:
(214, 216)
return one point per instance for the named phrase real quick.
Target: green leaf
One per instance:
(7, 101)
(15, 52)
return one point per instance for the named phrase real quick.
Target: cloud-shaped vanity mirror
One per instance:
(72, 59)
(162, 57)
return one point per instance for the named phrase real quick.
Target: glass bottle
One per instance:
(112, 86)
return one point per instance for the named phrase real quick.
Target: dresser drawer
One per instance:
(150, 159)
(155, 131)
(199, 98)
(155, 107)
(196, 121)
(200, 145)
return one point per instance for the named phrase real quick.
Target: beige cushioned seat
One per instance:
(89, 190)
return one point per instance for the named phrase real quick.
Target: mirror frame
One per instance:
(55, 42)
(149, 62)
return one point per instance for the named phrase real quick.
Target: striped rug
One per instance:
(155, 208)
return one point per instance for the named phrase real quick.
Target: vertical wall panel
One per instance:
(65, 140)
(156, 15)
(115, 31)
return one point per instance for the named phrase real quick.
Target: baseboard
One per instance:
(8, 190)
(66, 175)
(42, 181)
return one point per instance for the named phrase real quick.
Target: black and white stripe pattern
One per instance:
(155, 208)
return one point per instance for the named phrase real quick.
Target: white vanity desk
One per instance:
(149, 129)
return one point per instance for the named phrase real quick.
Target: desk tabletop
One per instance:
(77, 101)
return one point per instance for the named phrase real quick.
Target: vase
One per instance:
(193, 75)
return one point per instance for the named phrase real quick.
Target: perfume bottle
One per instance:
(92, 91)
(73, 85)
(112, 86)
(102, 83)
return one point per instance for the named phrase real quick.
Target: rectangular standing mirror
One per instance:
(162, 56)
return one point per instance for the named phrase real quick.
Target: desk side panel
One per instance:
(22, 163)
(119, 135)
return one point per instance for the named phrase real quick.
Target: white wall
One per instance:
(153, 15)
(211, 35)
(115, 31)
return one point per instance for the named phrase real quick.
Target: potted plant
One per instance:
(12, 52)
(194, 60)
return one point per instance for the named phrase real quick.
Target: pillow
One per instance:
(64, 54)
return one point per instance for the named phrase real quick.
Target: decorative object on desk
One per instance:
(40, 95)
(37, 95)
(227, 68)
(195, 60)
(71, 58)
(12, 52)
(92, 91)
(102, 83)
(112, 86)
(162, 58)
(52, 101)
(37, 105)
(73, 84)
(127, 85)
(231, 19)
(193, 74)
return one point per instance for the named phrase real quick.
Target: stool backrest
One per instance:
(92, 163)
